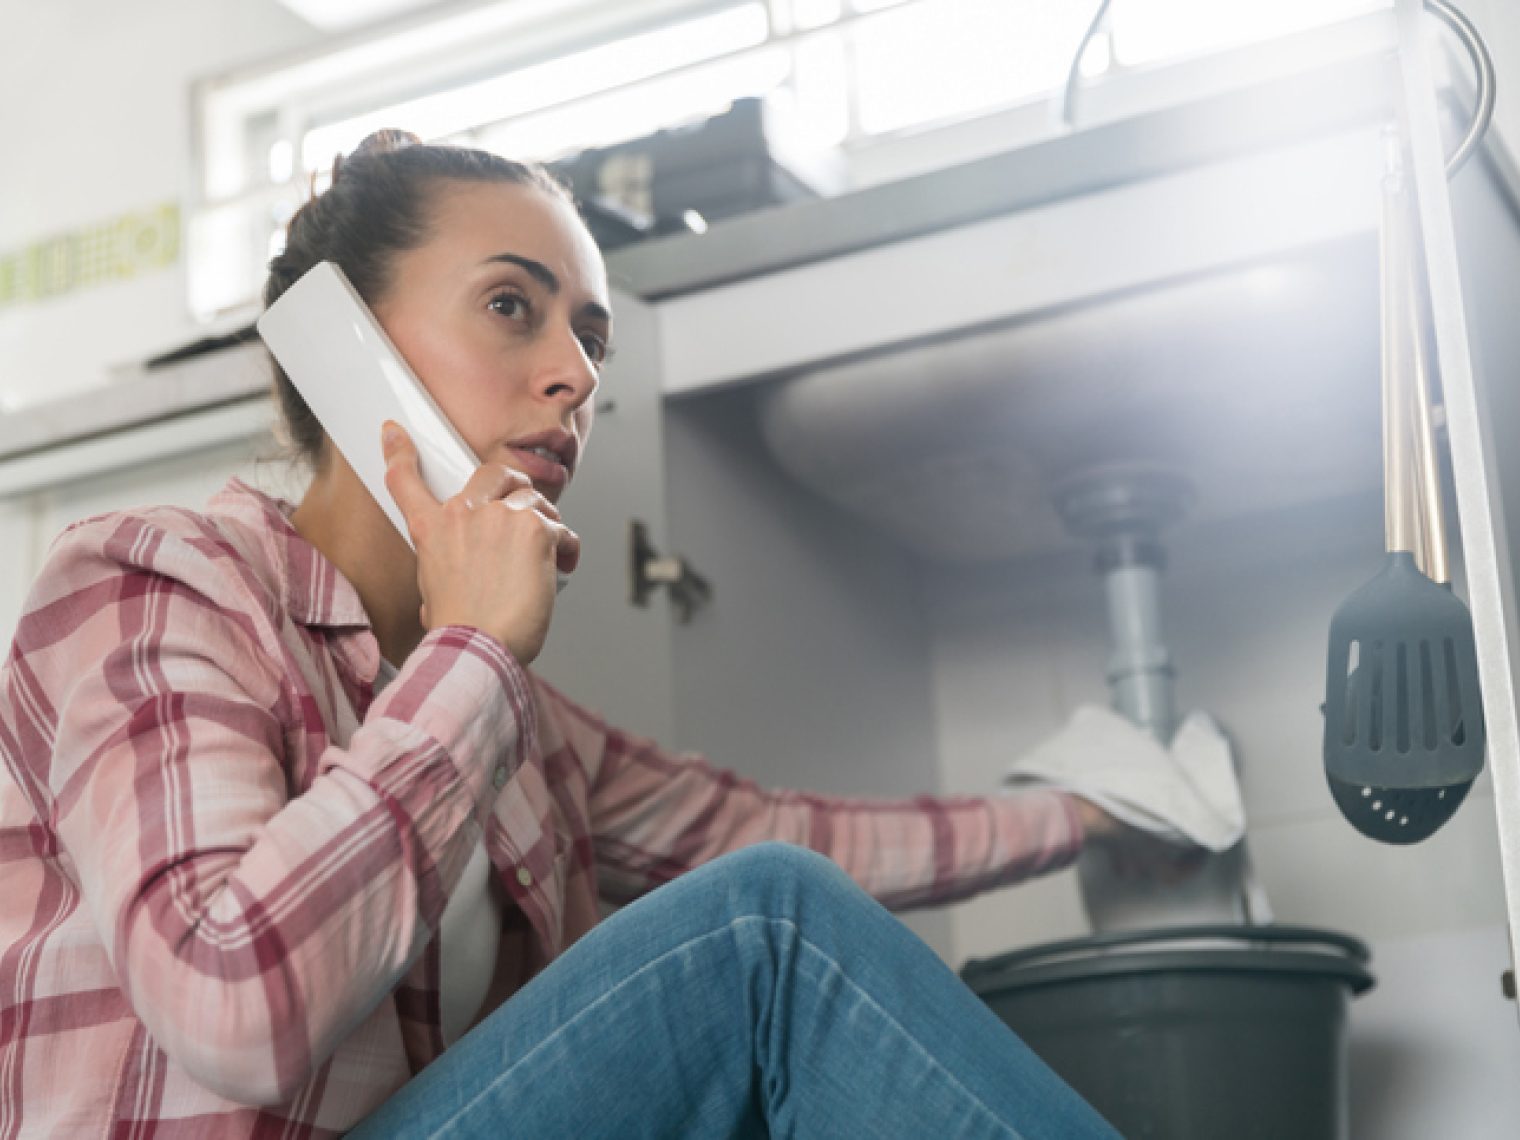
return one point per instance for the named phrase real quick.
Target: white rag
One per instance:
(1184, 793)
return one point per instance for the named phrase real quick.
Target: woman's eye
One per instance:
(595, 347)
(509, 305)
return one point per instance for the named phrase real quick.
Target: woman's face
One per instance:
(504, 316)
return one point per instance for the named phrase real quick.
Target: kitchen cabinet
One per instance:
(1195, 284)
(1216, 312)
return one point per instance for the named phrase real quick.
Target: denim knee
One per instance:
(782, 859)
(778, 877)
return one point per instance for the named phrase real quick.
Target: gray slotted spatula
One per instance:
(1403, 714)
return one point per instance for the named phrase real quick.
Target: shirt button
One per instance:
(499, 777)
(525, 876)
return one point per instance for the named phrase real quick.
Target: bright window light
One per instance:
(282, 158)
(815, 13)
(530, 89)
(821, 92)
(231, 250)
(635, 112)
(1150, 31)
(1098, 56)
(932, 61)
(837, 73)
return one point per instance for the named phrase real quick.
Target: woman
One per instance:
(294, 845)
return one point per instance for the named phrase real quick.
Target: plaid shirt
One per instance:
(224, 857)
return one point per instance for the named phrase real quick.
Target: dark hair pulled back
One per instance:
(377, 206)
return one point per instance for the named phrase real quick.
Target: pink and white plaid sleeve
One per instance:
(657, 814)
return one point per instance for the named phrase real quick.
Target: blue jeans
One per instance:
(761, 994)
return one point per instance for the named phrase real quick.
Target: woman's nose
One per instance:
(567, 373)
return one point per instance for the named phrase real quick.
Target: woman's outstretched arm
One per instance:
(657, 814)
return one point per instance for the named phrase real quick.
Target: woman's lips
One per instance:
(539, 469)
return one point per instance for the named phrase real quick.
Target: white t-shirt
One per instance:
(469, 932)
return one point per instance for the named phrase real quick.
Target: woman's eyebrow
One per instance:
(545, 277)
(536, 269)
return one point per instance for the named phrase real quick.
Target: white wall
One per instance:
(96, 117)
(1248, 609)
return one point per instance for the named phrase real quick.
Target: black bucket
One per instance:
(1191, 1033)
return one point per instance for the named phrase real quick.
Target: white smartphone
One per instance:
(353, 379)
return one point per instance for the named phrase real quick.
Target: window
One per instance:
(545, 78)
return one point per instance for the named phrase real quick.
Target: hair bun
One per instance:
(377, 142)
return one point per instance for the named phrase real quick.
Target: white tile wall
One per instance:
(1248, 604)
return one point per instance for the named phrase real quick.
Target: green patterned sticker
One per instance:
(116, 250)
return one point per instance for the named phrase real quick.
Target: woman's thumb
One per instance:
(392, 435)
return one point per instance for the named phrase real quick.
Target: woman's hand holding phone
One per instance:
(489, 556)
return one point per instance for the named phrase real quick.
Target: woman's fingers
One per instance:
(490, 482)
(1142, 856)
(495, 482)
(567, 544)
(527, 499)
(403, 476)
(481, 556)
(567, 552)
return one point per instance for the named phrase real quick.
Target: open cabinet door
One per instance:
(1475, 436)
(603, 650)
